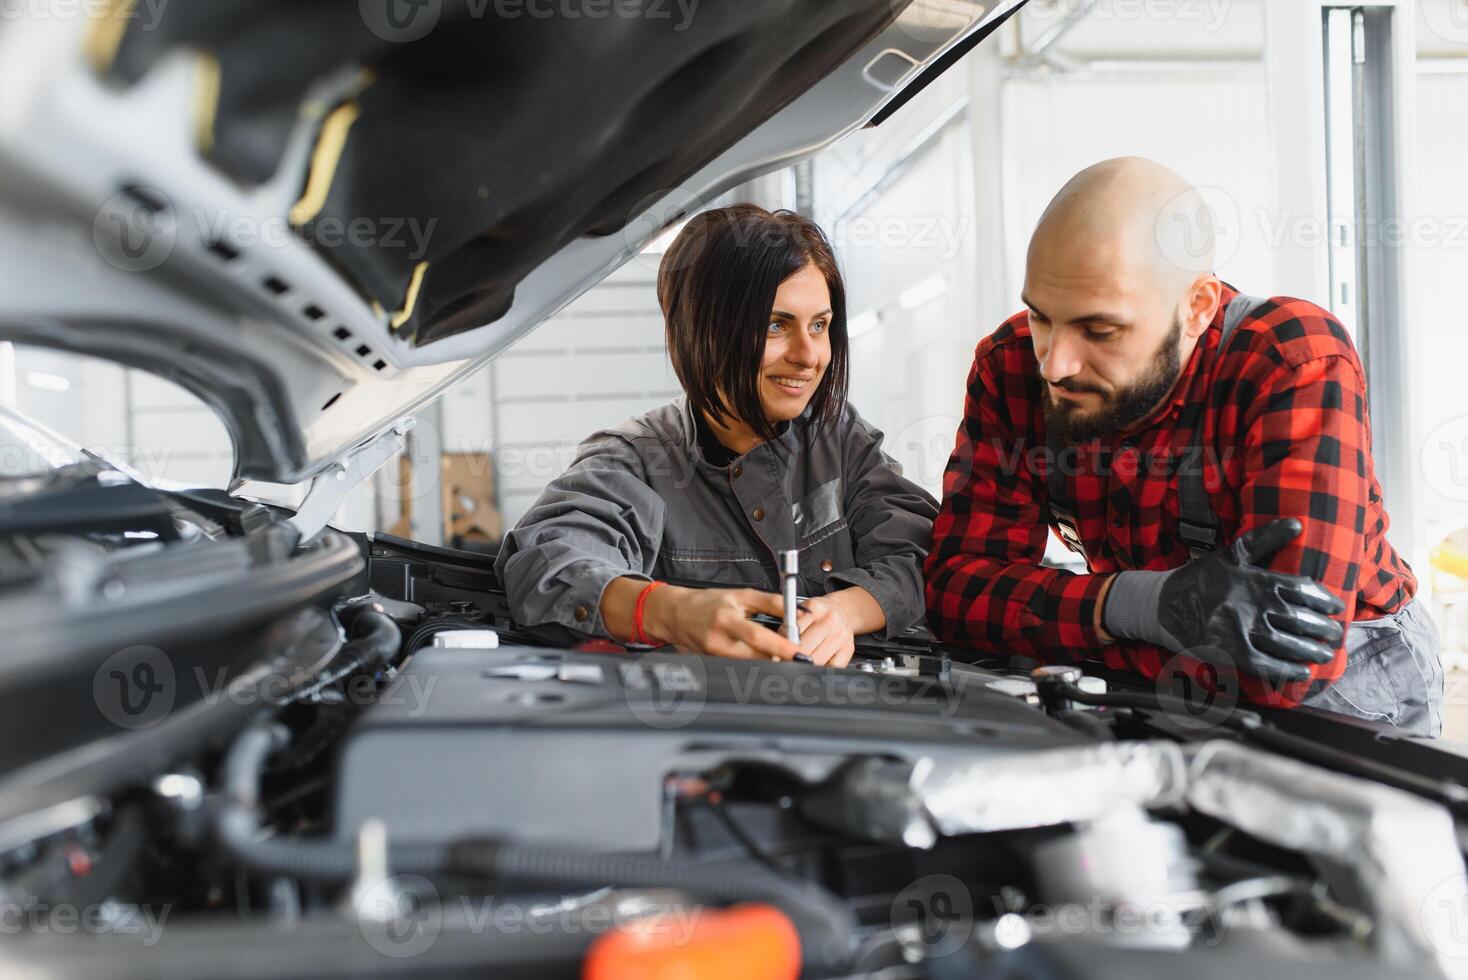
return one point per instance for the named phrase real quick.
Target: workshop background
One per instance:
(931, 214)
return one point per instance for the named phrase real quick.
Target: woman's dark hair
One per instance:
(717, 286)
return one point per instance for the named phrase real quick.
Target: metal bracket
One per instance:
(330, 488)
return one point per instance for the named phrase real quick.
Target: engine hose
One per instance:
(237, 823)
(827, 928)
(377, 642)
(1087, 723)
(1248, 725)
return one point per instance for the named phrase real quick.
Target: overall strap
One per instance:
(1061, 512)
(1198, 524)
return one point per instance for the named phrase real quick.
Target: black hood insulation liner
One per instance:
(513, 126)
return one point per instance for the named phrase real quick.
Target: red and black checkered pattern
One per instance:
(1285, 432)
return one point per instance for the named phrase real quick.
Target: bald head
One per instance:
(1135, 214)
(1120, 287)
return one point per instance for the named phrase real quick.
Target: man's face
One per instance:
(1109, 347)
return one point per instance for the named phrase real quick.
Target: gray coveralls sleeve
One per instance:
(891, 521)
(598, 521)
(643, 500)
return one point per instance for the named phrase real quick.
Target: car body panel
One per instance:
(106, 182)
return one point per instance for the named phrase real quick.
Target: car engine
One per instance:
(394, 778)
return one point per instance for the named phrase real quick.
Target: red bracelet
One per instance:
(638, 635)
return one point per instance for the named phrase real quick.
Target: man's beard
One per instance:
(1119, 409)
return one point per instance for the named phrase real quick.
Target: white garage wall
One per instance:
(931, 222)
(898, 205)
(1442, 287)
(600, 361)
(137, 419)
(1207, 127)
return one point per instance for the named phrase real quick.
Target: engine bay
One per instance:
(436, 791)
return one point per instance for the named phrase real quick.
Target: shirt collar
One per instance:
(690, 424)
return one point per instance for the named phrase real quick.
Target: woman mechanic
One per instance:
(762, 454)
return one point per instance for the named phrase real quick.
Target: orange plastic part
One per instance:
(747, 942)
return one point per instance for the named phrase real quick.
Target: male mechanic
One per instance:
(1208, 453)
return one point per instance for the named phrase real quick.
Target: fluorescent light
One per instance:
(923, 293)
(863, 323)
(45, 381)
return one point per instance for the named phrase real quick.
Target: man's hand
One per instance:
(1228, 609)
(716, 621)
(826, 633)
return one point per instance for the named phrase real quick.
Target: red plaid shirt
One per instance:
(1285, 434)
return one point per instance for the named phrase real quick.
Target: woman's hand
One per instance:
(826, 633)
(716, 621)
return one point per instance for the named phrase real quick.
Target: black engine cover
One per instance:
(552, 746)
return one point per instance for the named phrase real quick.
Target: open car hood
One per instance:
(318, 214)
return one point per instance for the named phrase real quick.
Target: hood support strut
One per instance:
(330, 488)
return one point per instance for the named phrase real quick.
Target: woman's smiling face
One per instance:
(797, 345)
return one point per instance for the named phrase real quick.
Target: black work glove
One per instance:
(1226, 608)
